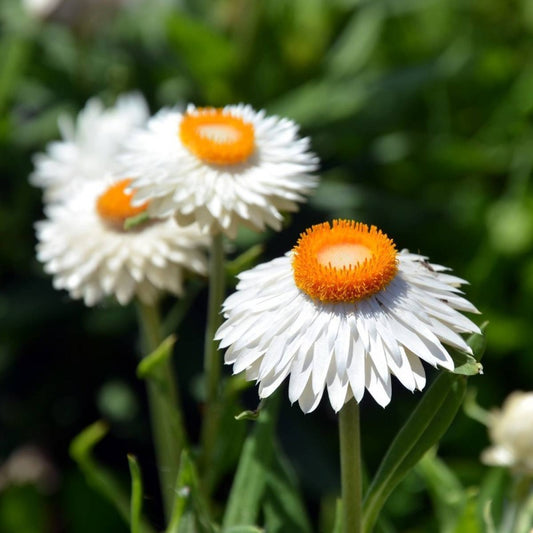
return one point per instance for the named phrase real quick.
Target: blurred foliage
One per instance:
(420, 111)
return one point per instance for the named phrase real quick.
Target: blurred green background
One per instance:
(421, 113)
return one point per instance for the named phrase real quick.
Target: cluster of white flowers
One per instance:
(365, 312)
(186, 175)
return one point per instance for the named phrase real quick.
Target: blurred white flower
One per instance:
(221, 167)
(84, 245)
(83, 14)
(89, 146)
(343, 311)
(511, 433)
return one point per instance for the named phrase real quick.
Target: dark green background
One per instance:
(420, 111)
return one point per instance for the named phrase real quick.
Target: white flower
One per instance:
(84, 245)
(89, 146)
(343, 311)
(221, 167)
(511, 433)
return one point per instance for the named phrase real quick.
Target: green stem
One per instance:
(351, 479)
(163, 400)
(212, 361)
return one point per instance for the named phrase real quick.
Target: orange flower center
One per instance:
(114, 205)
(343, 262)
(216, 137)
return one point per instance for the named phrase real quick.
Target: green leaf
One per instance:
(249, 485)
(284, 507)
(150, 364)
(190, 513)
(448, 495)
(136, 495)
(358, 40)
(244, 261)
(248, 415)
(98, 477)
(493, 491)
(426, 425)
(244, 529)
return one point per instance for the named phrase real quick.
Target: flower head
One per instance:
(84, 245)
(343, 311)
(221, 167)
(89, 146)
(511, 433)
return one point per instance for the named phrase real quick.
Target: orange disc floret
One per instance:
(114, 205)
(217, 137)
(343, 262)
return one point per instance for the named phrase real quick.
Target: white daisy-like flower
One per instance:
(343, 311)
(221, 167)
(84, 245)
(89, 146)
(511, 433)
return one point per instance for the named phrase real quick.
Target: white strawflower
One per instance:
(89, 146)
(343, 311)
(221, 167)
(511, 433)
(84, 245)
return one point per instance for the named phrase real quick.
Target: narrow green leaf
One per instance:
(82, 445)
(337, 526)
(98, 477)
(493, 491)
(149, 364)
(244, 261)
(422, 430)
(248, 415)
(448, 495)
(284, 507)
(358, 40)
(250, 480)
(190, 513)
(244, 529)
(136, 495)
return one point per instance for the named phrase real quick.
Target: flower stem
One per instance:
(212, 362)
(163, 399)
(351, 480)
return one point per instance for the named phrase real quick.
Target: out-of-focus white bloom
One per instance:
(83, 14)
(511, 433)
(221, 167)
(84, 245)
(343, 311)
(89, 146)
(40, 8)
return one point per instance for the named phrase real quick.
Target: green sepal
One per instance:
(137, 220)
(148, 366)
(465, 364)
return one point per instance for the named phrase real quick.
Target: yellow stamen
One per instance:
(217, 137)
(343, 262)
(114, 205)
